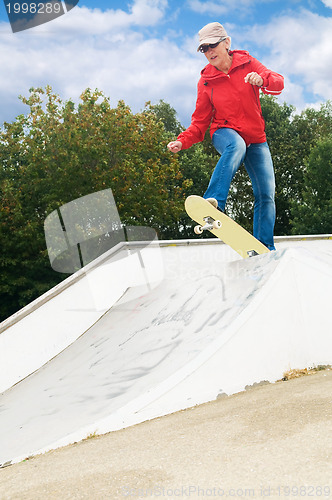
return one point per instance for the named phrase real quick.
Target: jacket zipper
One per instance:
(258, 105)
(213, 108)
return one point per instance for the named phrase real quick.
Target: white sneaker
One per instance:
(213, 202)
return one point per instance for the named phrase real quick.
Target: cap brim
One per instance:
(207, 41)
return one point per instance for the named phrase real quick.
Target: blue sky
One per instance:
(145, 50)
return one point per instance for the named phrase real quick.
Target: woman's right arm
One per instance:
(200, 121)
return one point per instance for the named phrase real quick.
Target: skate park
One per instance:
(151, 328)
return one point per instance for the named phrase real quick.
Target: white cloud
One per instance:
(87, 21)
(327, 3)
(105, 50)
(300, 48)
(217, 7)
(148, 12)
(117, 52)
(209, 7)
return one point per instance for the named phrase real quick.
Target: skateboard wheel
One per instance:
(198, 229)
(216, 224)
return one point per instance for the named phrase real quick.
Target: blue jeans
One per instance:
(258, 163)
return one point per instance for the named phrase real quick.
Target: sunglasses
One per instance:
(204, 48)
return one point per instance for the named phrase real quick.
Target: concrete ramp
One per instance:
(212, 326)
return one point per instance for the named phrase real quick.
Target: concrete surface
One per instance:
(193, 323)
(272, 441)
(49, 324)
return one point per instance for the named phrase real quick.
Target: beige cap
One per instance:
(211, 33)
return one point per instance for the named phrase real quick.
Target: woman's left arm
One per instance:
(269, 81)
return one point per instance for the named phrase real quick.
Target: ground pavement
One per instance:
(271, 441)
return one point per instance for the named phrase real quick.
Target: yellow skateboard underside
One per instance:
(230, 232)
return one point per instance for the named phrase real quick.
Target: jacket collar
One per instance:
(240, 57)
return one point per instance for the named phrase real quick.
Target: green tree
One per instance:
(165, 113)
(57, 153)
(308, 129)
(314, 214)
(291, 138)
(195, 164)
(288, 172)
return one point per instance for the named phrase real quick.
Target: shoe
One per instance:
(213, 202)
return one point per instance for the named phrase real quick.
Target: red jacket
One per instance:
(227, 101)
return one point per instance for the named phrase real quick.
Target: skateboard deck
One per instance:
(223, 227)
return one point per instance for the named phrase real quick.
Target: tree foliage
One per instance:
(57, 153)
(60, 151)
(314, 213)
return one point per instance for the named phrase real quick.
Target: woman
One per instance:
(228, 100)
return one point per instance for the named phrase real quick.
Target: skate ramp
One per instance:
(37, 333)
(210, 325)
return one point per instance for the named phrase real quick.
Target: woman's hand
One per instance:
(254, 79)
(175, 146)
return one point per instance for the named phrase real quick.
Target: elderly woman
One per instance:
(228, 102)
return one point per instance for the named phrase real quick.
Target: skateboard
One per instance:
(223, 227)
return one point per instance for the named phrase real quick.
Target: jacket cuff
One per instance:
(265, 83)
(185, 143)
